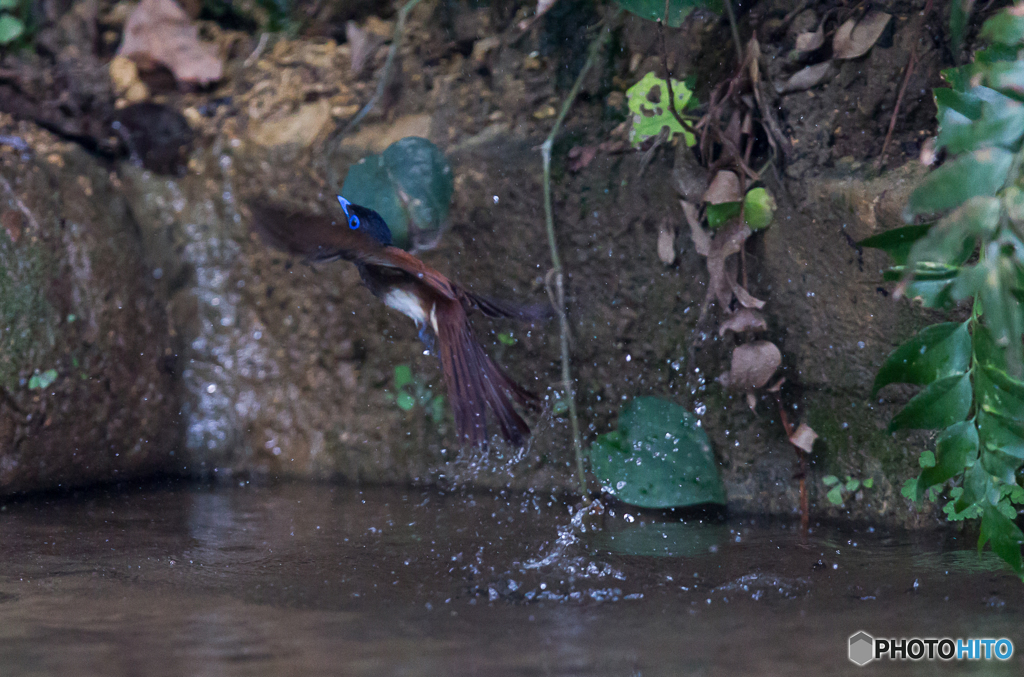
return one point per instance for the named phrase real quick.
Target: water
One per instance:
(307, 580)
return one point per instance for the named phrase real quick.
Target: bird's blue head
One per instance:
(366, 220)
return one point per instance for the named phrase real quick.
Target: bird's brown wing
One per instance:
(311, 236)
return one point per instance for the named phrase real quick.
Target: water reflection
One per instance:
(324, 580)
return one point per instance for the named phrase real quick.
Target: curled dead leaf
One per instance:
(810, 42)
(701, 238)
(363, 45)
(812, 76)
(667, 245)
(725, 187)
(855, 38)
(803, 438)
(160, 31)
(752, 365)
(745, 319)
(721, 280)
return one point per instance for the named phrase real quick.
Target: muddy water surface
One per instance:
(309, 580)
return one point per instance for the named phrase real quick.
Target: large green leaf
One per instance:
(1001, 124)
(1006, 27)
(11, 28)
(998, 393)
(955, 445)
(982, 172)
(936, 352)
(654, 10)
(959, 14)
(953, 239)
(897, 242)
(410, 185)
(1004, 536)
(659, 458)
(940, 405)
(1007, 77)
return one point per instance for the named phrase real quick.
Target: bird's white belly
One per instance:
(409, 305)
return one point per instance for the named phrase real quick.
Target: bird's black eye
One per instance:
(353, 222)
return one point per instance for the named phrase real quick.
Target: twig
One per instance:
(556, 261)
(385, 75)
(896, 109)
(684, 123)
(251, 59)
(20, 205)
(735, 31)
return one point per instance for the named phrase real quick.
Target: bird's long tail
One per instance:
(475, 383)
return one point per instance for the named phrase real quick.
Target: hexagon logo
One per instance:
(862, 648)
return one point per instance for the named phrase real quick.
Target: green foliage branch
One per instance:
(970, 372)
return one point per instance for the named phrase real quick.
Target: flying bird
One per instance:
(439, 307)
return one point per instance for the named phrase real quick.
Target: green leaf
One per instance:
(758, 208)
(956, 444)
(506, 339)
(998, 393)
(38, 381)
(405, 401)
(835, 495)
(940, 405)
(909, 489)
(659, 458)
(869, 482)
(1000, 125)
(722, 213)
(897, 242)
(852, 484)
(927, 459)
(965, 103)
(410, 185)
(654, 10)
(959, 13)
(1006, 77)
(1006, 27)
(403, 375)
(1001, 434)
(648, 103)
(982, 172)
(11, 29)
(830, 480)
(953, 239)
(1003, 536)
(938, 351)
(9, 4)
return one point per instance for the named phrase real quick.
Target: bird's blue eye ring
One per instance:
(353, 222)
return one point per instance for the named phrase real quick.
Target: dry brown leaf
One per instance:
(667, 245)
(701, 238)
(855, 38)
(803, 438)
(745, 298)
(752, 365)
(363, 45)
(725, 187)
(742, 320)
(727, 241)
(809, 42)
(812, 76)
(542, 7)
(160, 31)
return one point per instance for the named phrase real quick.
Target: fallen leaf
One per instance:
(725, 187)
(701, 238)
(855, 38)
(752, 365)
(803, 438)
(742, 320)
(812, 76)
(160, 31)
(542, 7)
(667, 245)
(745, 298)
(581, 156)
(726, 242)
(810, 42)
(363, 45)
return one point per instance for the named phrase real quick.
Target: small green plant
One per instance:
(649, 103)
(971, 373)
(12, 26)
(41, 380)
(839, 488)
(411, 392)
